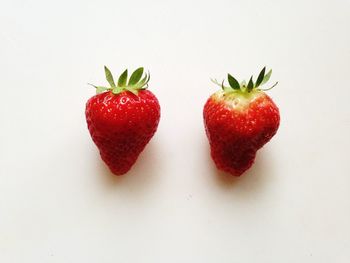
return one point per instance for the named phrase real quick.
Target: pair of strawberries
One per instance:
(239, 119)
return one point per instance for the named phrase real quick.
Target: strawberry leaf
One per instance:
(109, 77)
(233, 82)
(224, 88)
(99, 89)
(270, 87)
(215, 82)
(131, 90)
(266, 77)
(143, 82)
(117, 90)
(250, 84)
(135, 76)
(123, 78)
(260, 77)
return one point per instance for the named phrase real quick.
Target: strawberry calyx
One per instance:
(134, 84)
(244, 88)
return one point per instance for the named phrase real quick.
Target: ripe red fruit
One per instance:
(239, 120)
(122, 119)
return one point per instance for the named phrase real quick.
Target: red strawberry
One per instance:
(122, 119)
(239, 120)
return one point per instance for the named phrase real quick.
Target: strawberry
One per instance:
(122, 119)
(239, 120)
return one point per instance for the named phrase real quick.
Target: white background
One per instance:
(58, 201)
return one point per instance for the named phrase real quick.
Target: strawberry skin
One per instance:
(238, 122)
(121, 124)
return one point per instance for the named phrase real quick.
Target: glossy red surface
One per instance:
(235, 136)
(121, 125)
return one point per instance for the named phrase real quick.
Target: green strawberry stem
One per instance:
(235, 86)
(134, 84)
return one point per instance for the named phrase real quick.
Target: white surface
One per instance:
(59, 203)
